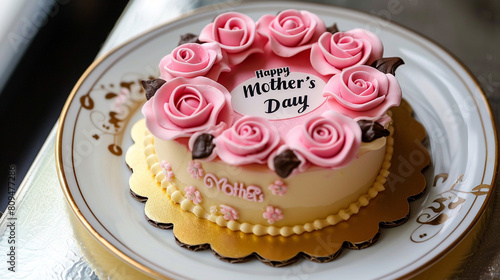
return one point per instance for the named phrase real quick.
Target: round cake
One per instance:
(278, 126)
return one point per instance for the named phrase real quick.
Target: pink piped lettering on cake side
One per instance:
(228, 189)
(254, 193)
(250, 193)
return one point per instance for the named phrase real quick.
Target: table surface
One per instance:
(51, 243)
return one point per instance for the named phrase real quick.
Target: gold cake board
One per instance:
(106, 265)
(389, 208)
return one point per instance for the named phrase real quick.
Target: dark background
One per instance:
(33, 97)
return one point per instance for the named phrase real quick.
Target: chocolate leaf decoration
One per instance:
(388, 65)
(333, 29)
(371, 130)
(285, 163)
(189, 38)
(151, 86)
(203, 146)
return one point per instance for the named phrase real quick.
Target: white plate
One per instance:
(444, 96)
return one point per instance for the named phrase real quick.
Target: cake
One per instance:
(278, 126)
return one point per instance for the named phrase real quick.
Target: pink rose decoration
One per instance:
(291, 31)
(250, 140)
(334, 52)
(331, 140)
(182, 107)
(362, 92)
(236, 35)
(192, 60)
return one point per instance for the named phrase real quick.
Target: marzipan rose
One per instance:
(291, 31)
(334, 52)
(250, 140)
(236, 35)
(331, 140)
(182, 107)
(362, 92)
(192, 60)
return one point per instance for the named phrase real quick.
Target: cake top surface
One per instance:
(284, 91)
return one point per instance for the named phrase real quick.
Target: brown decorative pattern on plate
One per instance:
(121, 100)
(444, 207)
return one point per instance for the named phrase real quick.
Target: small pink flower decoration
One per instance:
(273, 214)
(195, 169)
(278, 188)
(193, 194)
(229, 213)
(167, 170)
